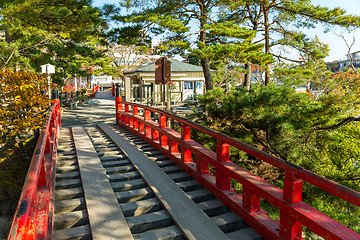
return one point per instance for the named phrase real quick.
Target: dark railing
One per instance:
(195, 159)
(34, 214)
(66, 98)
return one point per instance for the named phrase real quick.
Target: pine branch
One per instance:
(335, 126)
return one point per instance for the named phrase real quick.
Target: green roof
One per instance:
(176, 66)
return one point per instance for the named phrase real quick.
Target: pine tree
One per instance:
(194, 26)
(277, 20)
(45, 31)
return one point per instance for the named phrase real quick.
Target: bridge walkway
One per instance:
(111, 184)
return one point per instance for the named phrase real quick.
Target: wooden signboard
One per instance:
(162, 71)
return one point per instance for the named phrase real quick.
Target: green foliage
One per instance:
(280, 121)
(195, 28)
(63, 33)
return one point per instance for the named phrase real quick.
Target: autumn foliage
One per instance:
(22, 102)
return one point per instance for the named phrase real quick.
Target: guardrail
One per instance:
(34, 214)
(195, 159)
(69, 97)
(95, 90)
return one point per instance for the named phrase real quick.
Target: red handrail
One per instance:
(294, 213)
(95, 90)
(33, 218)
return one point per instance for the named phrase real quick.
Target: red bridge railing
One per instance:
(95, 90)
(34, 214)
(195, 159)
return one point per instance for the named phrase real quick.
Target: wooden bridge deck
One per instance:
(111, 184)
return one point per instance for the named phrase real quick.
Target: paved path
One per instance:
(100, 109)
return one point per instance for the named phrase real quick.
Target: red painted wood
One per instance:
(290, 228)
(118, 107)
(163, 137)
(251, 201)
(173, 146)
(34, 213)
(202, 167)
(294, 213)
(222, 180)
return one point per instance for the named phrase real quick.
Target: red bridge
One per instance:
(138, 178)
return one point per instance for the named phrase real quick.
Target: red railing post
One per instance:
(251, 201)
(173, 146)
(155, 134)
(222, 153)
(163, 138)
(127, 111)
(185, 135)
(202, 166)
(147, 128)
(131, 120)
(117, 109)
(136, 113)
(292, 193)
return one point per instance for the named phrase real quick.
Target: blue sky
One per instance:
(338, 48)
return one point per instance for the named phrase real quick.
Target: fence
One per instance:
(195, 159)
(66, 98)
(34, 213)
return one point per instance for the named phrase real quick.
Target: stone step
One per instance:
(134, 195)
(168, 233)
(112, 158)
(124, 176)
(110, 153)
(70, 219)
(128, 185)
(150, 221)
(81, 232)
(66, 162)
(64, 169)
(70, 183)
(121, 169)
(229, 222)
(67, 175)
(116, 163)
(64, 194)
(179, 177)
(200, 195)
(70, 205)
(190, 185)
(141, 207)
(245, 233)
(213, 207)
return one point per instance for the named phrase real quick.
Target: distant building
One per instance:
(187, 80)
(346, 63)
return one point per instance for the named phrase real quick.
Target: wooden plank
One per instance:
(193, 222)
(105, 216)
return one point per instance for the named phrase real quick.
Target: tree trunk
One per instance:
(267, 43)
(247, 80)
(204, 61)
(207, 74)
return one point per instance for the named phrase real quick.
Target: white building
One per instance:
(186, 81)
(346, 63)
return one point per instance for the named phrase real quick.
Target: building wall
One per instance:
(183, 85)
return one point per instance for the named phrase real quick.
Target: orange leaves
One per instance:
(22, 101)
